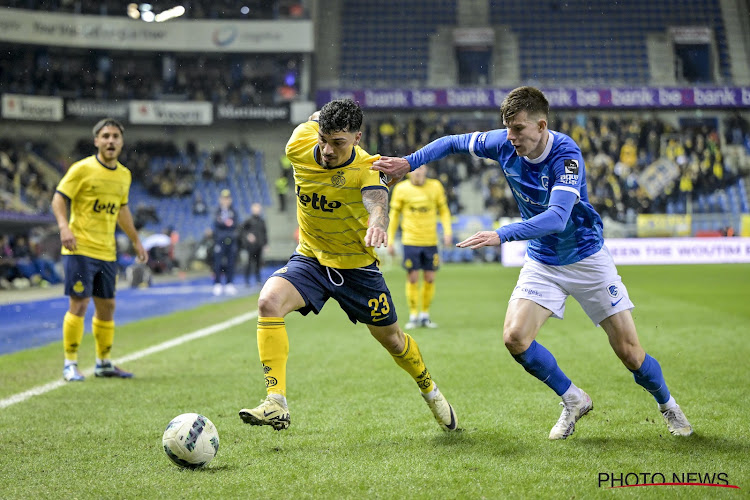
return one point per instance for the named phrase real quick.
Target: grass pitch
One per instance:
(359, 428)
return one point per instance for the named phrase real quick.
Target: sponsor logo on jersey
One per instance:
(571, 167)
(110, 208)
(569, 179)
(420, 210)
(317, 201)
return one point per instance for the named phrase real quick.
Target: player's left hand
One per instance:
(395, 168)
(480, 239)
(376, 237)
(141, 253)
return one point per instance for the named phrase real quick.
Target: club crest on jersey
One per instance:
(571, 167)
(338, 179)
(545, 182)
(613, 291)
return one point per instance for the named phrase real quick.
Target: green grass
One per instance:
(359, 428)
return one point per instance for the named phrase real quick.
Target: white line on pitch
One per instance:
(203, 332)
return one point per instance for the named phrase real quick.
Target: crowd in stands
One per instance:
(634, 165)
(25, 187)
(30, 258)
(194, 9)
(234, 79)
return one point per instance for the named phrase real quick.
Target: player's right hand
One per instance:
(67, 239)
(396, 168)
(480, 239)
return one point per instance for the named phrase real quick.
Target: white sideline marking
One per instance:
(203, 332)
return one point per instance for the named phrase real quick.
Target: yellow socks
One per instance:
(72, 335)
(104, 335)
(411, 361)
(273, 347)
(412, 298)
(428, 292)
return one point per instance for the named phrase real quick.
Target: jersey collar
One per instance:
(103, 165)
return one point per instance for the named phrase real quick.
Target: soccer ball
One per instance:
(190, 440)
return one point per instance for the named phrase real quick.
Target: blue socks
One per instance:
(650, 377)
(539, 362)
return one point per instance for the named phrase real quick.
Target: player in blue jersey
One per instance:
(566, 253)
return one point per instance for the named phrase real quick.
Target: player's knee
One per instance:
(631, 356)
(269, 306)
(393, 340)
(515, 340)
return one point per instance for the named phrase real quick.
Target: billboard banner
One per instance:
(649, 251)
(122, 33)
(559, 98)
(88, 108)
(171, 113)
(27, 107)
(231, 112)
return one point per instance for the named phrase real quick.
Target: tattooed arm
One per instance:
(376, 203)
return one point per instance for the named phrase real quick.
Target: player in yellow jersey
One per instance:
(342, 211)
(417, 203)
(96, 189)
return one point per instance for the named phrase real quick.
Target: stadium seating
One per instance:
(559, 41)
(397, 54)
(246, 181)
(575, 42)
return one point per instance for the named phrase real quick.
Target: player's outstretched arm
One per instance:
(480, 239)
(376, 203)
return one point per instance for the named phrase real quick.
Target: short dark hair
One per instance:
(529, 99)
(107, 122)
(341, 115)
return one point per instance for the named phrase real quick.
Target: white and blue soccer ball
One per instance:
(190, 440)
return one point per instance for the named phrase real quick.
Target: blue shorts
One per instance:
(361, 292)
(86, 277)
(425, 258)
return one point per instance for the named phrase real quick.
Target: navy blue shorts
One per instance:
(425, 258)
(86, 277)
(361, 293)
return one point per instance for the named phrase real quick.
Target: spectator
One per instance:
(144, 214)
(282, 188)
(199, 206)
(254, 238)
(225, 244)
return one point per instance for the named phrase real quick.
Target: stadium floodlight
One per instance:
(133, 11)
(148, 16)
(169, 14)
